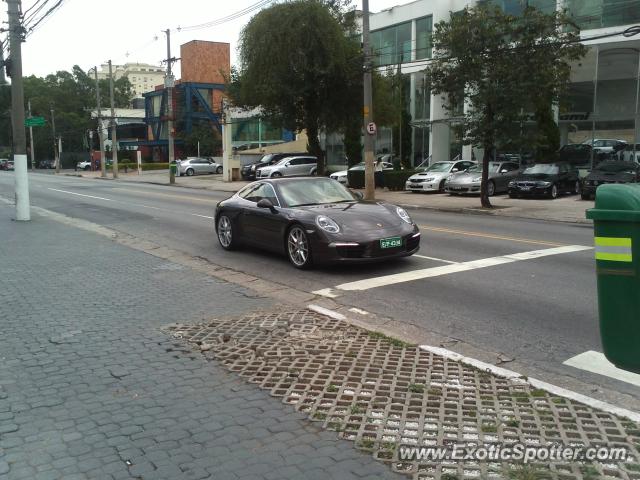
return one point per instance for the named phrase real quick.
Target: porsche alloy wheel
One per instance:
(298, 247)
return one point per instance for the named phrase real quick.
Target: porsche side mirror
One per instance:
(358, 195)
(266, 203)
(454, 170)
(504, 170)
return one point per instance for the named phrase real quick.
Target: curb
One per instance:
(503, 372)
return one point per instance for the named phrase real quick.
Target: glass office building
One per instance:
(603, 99)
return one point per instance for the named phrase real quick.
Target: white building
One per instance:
(603, 98)
(144, 77)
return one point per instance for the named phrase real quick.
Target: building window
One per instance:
(603, 13)
(424, 27)
(516, 7)
(391, 45)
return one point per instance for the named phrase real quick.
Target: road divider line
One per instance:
(385, 280)
(202, 216)
(433, 258)
(490, 235)
(326, 292)
(596, 362)
(82, 195)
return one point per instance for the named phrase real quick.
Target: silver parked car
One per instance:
(500, 174)
(198, 166)
(434, 177)
(290, 167)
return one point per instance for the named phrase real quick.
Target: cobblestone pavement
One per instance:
(90, 387)
(387, 396)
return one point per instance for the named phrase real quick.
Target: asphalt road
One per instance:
(539, 311)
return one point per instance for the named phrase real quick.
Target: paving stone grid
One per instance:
(382, 394)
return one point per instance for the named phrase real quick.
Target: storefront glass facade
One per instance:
(590, 14)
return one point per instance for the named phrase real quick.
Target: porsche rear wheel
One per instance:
(298, 248)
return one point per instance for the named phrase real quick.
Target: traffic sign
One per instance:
(34, 122)
(371, 128)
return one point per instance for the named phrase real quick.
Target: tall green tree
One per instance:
(72, 96)
(299, 64)
(504, 66)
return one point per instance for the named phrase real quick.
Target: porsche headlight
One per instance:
(512, 183)
(253, 168)
(326, 224)
(402, 213)
(477, 179)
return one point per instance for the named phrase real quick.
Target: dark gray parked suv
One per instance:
(248, 172)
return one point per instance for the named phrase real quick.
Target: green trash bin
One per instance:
(616, 223)
(173, 167)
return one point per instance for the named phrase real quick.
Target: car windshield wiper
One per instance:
(339, 201)
(305, 204)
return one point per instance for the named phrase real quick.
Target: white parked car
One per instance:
(290, 167)
(434, 177)
(341, 177)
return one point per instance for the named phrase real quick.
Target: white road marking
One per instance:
(555, 390)
(81, 195)
(456, 267)
(128, 203)
(596, 362)
(326, 312)
(433, 258)
(325, 292)
(358, 311)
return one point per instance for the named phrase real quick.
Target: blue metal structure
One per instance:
(191, 105)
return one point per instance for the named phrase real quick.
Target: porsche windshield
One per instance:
(313, 191)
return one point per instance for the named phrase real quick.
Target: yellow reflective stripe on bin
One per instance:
(613, 249)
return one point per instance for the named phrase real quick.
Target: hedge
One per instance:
(396, 179)
(392, 179)
(145, 166)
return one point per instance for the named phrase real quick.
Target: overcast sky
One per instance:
(89, 32)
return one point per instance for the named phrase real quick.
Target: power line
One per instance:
(28, 17)
(45, 16)
(26, 12)
(228, 18)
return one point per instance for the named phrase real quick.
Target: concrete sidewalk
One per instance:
(90, 387)
(564, 209)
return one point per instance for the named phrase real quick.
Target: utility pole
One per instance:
(23, 211)
(114, 140)
(33, 153)
(168, 83)
(369, 168)
(103, 163)
(56, 153)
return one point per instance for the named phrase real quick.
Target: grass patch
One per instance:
(388, 445)
(319, 416)
(434, 391)
(367, 444)
(538, 392)
(416, 388)
(356, 410)
(489, 428)
(528, 472)
(337, 426)
(332, 388)
(449, 476)
(512, 423)
(589, 472)
(393, 341)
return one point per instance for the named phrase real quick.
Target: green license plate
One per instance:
(391, 242)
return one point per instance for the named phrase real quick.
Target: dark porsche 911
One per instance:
(314, 220)
(609, 172)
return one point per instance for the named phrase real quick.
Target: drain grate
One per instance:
(385, 395)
